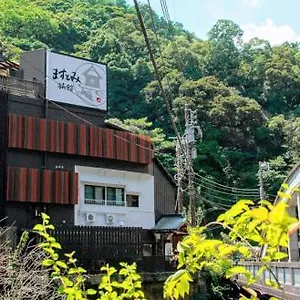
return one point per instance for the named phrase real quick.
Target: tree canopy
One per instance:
(247, 95)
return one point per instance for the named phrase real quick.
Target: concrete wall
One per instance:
(32, 65)
(133, 182)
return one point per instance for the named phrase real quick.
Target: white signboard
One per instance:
(76, 81)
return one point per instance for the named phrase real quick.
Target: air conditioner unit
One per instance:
(90, 217)
(110, 219)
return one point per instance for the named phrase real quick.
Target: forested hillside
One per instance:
(247, 95)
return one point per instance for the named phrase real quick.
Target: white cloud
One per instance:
(268, 30)
(252, 3)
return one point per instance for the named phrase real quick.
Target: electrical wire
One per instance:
(166, 78)
(222, 186)
(225, 193)
(216, 189)
(165, 11)
(216, 204)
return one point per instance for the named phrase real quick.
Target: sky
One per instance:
(273, 20)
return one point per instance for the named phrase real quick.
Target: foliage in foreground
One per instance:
(21, 275)
(72, 278)
(246, 227)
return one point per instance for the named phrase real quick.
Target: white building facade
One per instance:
(114, 198)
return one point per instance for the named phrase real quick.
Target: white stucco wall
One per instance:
(132, 182)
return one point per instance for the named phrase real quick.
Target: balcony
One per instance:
(21, 87)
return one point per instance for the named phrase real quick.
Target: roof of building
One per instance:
(292, 179)
(4, 65)
(113, 125)
(169, 223)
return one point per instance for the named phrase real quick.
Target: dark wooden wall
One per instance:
(40, 109)
(3, 150)
(164, 191)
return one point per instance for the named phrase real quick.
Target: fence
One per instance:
(21, 87)
(287, 274)
(96, 246)
(8, 235)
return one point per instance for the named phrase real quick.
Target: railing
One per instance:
(287, 274)
(21, 87)
(104, 202)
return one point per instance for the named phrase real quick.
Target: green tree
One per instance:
(223, 59)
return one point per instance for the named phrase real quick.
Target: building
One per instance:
(293, 182)
(58, 156)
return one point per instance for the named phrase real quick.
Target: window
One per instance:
(104, 195)
(94, 194)
(115, 196)
(132, 200)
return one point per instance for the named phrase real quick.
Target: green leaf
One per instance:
(51, 227)
(260, 213)
(244, 251)
(56, 245)
(279, 255)
(62, 264)
(47, 262)
(70, 255)
(236, 270)
(91, 292)
(45, 216)
(38, 227)
(278, 213)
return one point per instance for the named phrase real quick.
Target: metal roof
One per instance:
(169, 223)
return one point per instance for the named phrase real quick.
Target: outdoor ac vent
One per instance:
(90, 217)
(110, 219)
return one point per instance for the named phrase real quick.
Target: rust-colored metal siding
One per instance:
(62, 137)
(41, 186)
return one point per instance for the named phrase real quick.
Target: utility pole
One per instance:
(263, 167)
(191, 153)
(179, 176)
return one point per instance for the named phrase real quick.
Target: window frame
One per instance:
(105, 201)
(133, 194)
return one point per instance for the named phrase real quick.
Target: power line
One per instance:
(164, 96)
(216, 204)
(231, 191)
(147, 41)
(215, 189)
(220, 198)
(221, 186)
(226, 193)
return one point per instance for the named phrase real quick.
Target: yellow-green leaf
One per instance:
(38, 227)
(62, 264)
(260, 213)
(47, 262)
(91, 292)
